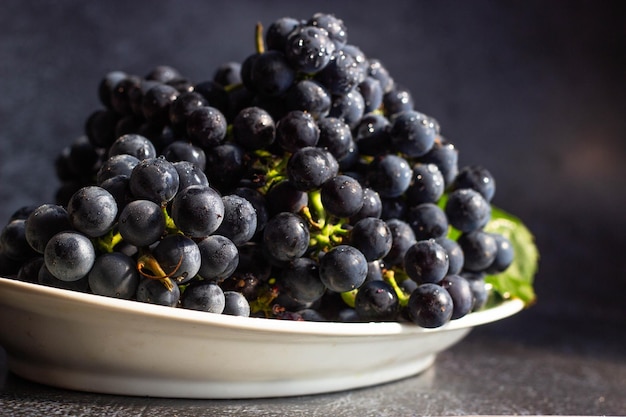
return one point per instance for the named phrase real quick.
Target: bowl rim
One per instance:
(505, 309)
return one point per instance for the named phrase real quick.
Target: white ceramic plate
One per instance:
(98, 344)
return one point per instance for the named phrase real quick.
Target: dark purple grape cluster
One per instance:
(298, 184)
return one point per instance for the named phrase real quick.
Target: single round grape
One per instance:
(235, 304)
(122, 164)
(335, 136)
(377, 70)
(310, 167)
(297, 130)
(153, 291)
(190, 174)
(372, 93)
(198, 211)
(141, 223)
(467, 210)
(13, 243)
(154, 179)
(430, 306)
(69, 256)
(427, 185)
(477, 178)
(309, 49)
(334, 26)
(219, 257)
(504, 256)
(372, 206)
(480, 289)
(163, 74)
(412, 133)
(342, 74)
(283, 196)
(426, 262)
(185, 104)
(206, 127)
(179, 257)
(121, 94)
(228, 73)
(348, 107)
(343, 268)
(372, 135)
(133, 144)
(427, 220)
(342, 196)
(182, 150)
(389, 175)
(100, 128)
(372, 237)
(271, 74)
(225, 166)
(239, 221)
(479, 248)
(92, 210)
(259, 203)
(445, 155)
(204, 296)
(278, 31)
(286, 237)
(461, 293)
(399, 99)
(376, 301)
(44, 222)
(107, 84)
(114, 275)
(308, 96)
(254, 128)
(300, 280)
(119, 188)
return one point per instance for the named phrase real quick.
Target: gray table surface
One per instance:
(533, 90)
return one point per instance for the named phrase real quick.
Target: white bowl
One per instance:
(92, 343)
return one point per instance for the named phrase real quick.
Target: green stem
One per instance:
(108, 242)
(390, 276)
(258, 38)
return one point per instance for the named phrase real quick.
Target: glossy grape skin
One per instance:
(430, 306)
(309, 49)
(332, 25)
(69, 256)
(204, 296)
(184, 151)
(479, 248)
(44, 222)
(427, 220)
(228, 73)
(427, 185)
(504, 256)
(271, 74)
(372, 93)
(372, 135)
(107, 84)
(399, 99)
(389, 175)
(100, 128)
(215, 94)
(182, 107)
(342, 74)
(235, 304)
(283, 196)
(259, 202)
(412, 133)
(278, 31)
(179, 257)
(456, 259)
(342, 196)
(348, 107)
(286, 237)
(310, 167)
(467, 210)
(190, 174)
(163, 74)
(477, 178)
(44, 277)
(372, 237)
(206, 127)
(254, 128)
(219, 257)
(372, 206)
(393, 208)
(461, 293)
(116, 165)
(153, 291)
(402, 238)
(376, 301)
(239, 221)
(445, 155)
(297, 130)
(133, 144)
(156, 102)
(343, 268)
(121, 95)
(198, 211)
(119, 188)
(154, 179)
(13, 243)
(480, 290)
(378, 71)
(92, 210)
(309, 96)
(426, 262)
(300, 280)
(335, 136)
(141, 223)
(114, 275)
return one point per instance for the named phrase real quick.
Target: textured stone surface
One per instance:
(531, 89)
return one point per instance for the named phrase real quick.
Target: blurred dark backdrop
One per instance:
(533, 90)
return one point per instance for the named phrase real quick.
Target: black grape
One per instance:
(372, 237)
(219, 257)
(426, 262)
(141, 223)
(286, 237)
(343, 268)
(92, 210)
(239, 223)
(198, 211)
(342, 196)
(154, 179)
(204, 296)
(376, 301)
(430, 306)
(69, 256)
(114, 275)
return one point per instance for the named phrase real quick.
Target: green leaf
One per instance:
(517, 280)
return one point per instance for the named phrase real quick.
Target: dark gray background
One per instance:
(533, 90)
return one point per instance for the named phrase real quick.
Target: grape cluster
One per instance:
(298, 184)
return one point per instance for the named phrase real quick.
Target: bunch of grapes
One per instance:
(299, 184)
